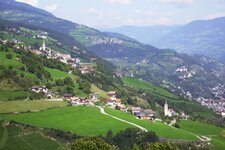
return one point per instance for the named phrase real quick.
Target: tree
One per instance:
(161, 146)
(68, 81)
(9, 56)
(91, 143)
(59, 82)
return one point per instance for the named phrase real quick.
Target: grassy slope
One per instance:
(98, 91)
(138, 84)
(23, 106)
(80, 120)
(12, 95)
(160, 129)
(218, 142)
(7, 62)
(18, 139)
(57, 74)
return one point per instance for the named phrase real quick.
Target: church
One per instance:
(168, 112)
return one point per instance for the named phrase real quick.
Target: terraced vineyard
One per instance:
(14, 138)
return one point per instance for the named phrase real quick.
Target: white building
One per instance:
(167, 111)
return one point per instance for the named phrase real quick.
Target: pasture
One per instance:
(159, 128)
(24, 106)
(203, 129)
(139, 84)
(86, 121)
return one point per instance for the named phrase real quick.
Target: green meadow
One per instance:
(24, 106)
(139, 84)
(87, 121)
(159, 128)
(203, 129)
(6, 95)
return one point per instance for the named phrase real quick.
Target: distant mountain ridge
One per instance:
(144, 34)
(204, 37)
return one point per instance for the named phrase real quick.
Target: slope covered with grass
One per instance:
(86, 121)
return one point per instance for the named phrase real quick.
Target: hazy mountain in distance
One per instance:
(144, 34)
(206, 37)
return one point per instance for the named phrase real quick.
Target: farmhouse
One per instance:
(39, 89)
(112, 94)
(68, 96)
(135, 110)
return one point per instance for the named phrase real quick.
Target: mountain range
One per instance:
(204, 37)
(159, 66)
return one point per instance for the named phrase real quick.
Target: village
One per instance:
(75, 63)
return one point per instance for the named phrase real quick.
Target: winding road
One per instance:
(201, 138)
(133, 124)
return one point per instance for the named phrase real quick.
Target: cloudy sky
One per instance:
(114, 13)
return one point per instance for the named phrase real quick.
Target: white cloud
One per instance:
(178, 3)
(93, 12)
(124, 2)
(31, 2)
(51, 7)
(215, 15)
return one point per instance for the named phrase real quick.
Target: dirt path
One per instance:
(133, 124)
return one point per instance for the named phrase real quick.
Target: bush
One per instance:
(9, 56)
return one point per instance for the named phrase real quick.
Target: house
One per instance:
(49, 95)
(39, 89)
(94, 97)
(112, 94)
(143, 116)
(136, 110)
(68, 96)
(149, 112)
(122, 107)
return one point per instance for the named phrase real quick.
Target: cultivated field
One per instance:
(13, 138)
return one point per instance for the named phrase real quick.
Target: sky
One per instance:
(103, 14)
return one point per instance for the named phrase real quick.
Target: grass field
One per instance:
(160, 129)
(98, 91)
(12, 95)
(23, 106)
(80, 120)
(57, 74)
(203, 129)
(6, 62)
(13, 138)
(138, 84)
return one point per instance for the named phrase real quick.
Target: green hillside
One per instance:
(139, 84)
(24, 106)
(86, 121)
(159, 128)
(203, 129)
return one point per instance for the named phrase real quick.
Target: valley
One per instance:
(68, 86)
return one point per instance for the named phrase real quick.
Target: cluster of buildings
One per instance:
(105, 40)
(81, 101)
(114, 102)
(217, 105)
(168, 112)
(44, 90)
(144, 114)
(184, 73)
